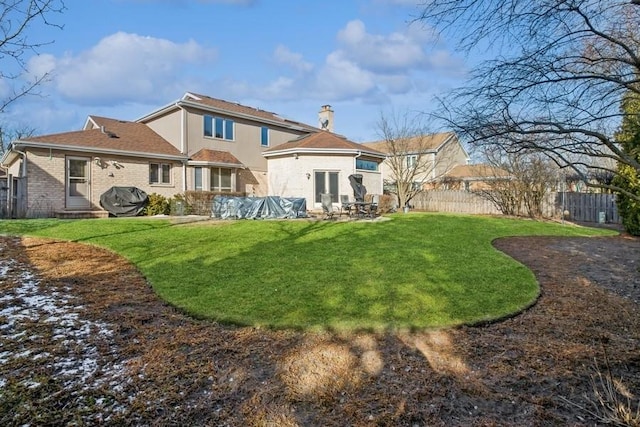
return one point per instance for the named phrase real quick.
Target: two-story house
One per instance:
(196, 143)
(424, 159)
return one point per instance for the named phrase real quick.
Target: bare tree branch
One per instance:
(412, 158)
(16, 19)
(557, 85)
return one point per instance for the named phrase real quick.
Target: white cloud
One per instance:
(388, 53)
(40, 65)
(341, 78)
(443, 60)
(283, 55)
(126, 67)
(371, 68)
(281, 88)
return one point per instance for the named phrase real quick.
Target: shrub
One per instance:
(158, 205)
(628, 178)
(387, 203)
(179, 205)
(200, 202)
(629, 208)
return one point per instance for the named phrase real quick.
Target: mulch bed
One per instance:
(152, 365)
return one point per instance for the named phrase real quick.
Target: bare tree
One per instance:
(412, 157)
(531, 177)
(8, 135)
(16, 18)
(556, 84)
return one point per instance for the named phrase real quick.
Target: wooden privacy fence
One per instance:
(583, 207)
(589, 207)
(453, 201)
(4, 200)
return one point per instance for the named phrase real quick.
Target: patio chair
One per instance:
(327, 206)
(373, 209)
(345, 205)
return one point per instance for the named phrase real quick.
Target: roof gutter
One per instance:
(178, 157)
(283, 123)
(182, 103)
(322, 151)
(11, 150)
(219, 164)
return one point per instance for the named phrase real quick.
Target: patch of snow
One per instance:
(79, 364)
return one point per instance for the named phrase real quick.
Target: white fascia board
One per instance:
(89, 120)
(218, 164)
(94, 150)
(7, 154)
(292, 151)
(292, 126)
(159, 112)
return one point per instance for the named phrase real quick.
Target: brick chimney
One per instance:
(325, 118)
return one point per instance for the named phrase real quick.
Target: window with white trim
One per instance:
(221, 180)
(217, 127)
(159, 173)
(412, 160)
(264, 136)
(368, 165)
(198, 179)
(326, 182)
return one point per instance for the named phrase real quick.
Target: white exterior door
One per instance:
(78, 183)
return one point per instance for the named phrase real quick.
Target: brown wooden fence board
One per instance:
(582, 207)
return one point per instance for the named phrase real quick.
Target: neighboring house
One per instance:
(325, 160)
(437, 153)
(472, 177)
(197, 143)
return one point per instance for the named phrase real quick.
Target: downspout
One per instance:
(183, 126)
(381, 176)
(184, 176)
(355, 160)
(7, 206)
(22, 175)
(24, 163)
(183, 148)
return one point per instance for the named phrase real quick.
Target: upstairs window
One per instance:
(412, 160)
(159, 173)
(218, 127)
(264, 136)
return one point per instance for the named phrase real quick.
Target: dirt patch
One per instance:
(84, 340)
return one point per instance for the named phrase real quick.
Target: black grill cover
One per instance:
(124, 201)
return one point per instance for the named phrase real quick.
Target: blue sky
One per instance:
(125, 58)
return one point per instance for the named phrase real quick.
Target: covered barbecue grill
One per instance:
(124, 201)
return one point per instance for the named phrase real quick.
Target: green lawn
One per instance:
(413, 271)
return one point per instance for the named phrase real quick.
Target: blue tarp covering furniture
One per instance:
(258, 207)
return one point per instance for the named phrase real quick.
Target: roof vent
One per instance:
(108, 133)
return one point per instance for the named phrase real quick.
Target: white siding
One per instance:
(288, 176)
